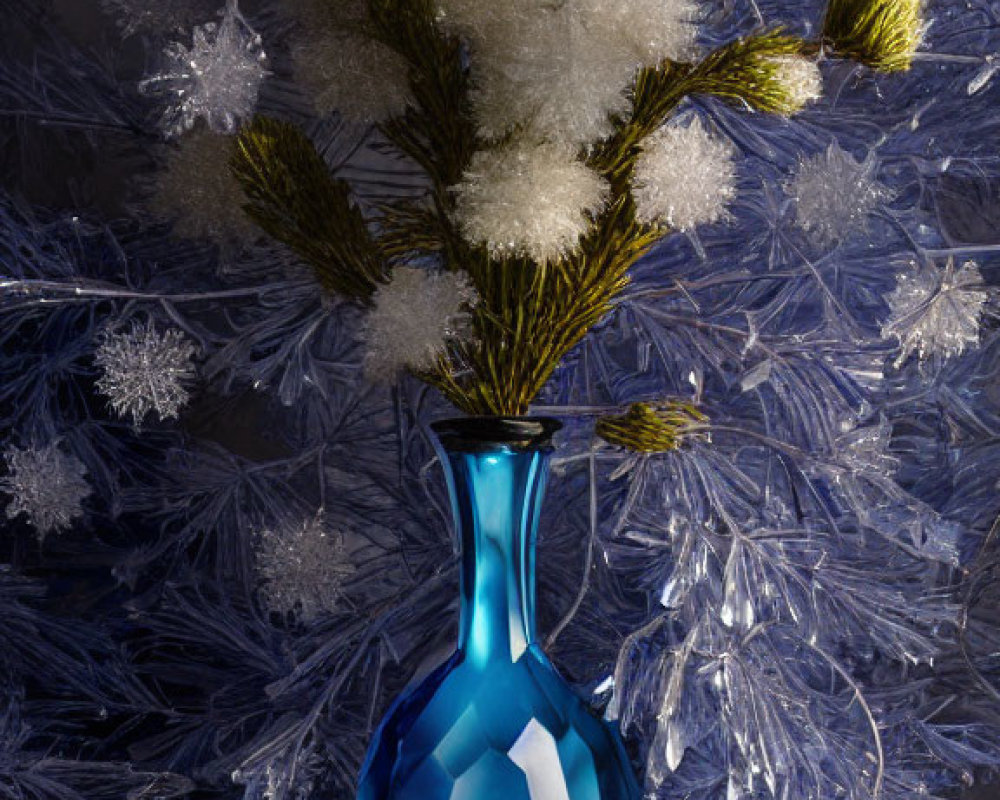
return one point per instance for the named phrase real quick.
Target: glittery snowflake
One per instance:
(145, 371)
(684, 177)
(528, 199)
(47, 486)
(302, 566)
(216, 79)
(834, 194)
(935, 313)
(151, 16)
(200, 193)
(414, 318)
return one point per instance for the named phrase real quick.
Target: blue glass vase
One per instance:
(495, 720)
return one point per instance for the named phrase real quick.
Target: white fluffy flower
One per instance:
(414, 317)
(648, 30)
(799, 78)
(528, 199)
(144, 371)
(834, 194)
(935, 313)
(547, 73)
(217, 79)
(302, 567)
(47, 485)
(684, 177)
(363, 79)
(478, 19)
(200, 193)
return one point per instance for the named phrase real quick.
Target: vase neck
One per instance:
(496, 495)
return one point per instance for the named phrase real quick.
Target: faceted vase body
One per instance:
(495, 720)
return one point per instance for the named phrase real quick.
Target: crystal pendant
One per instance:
(496, 720)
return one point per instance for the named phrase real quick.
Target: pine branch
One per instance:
(746, 72)
(884, 34)
(743, 71)
(530, 316)
(438, 131)
(293, 197)
(650, 428)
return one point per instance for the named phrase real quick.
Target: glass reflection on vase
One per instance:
(495, 720)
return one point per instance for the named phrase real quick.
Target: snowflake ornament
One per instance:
(834, 194)
(935, 313)
(46, 485)
(217, 79)
(302, 567)
(684, 177)
(533, 200)
(200, 193)
(145, 371)
(414, 318)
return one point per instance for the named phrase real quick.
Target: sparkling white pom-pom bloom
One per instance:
(834, 194)
(800, 80)
(527, 199)
(199, 192)
(413, 319)
(546, 72)
(302, 567)
(935, 313)
(684, 177)
(648, 30)
(361, 78)
(47, 486)
(479, 20)
(145, 371)
(217, 79)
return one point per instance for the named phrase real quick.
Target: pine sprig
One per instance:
(743, 71)
(293, 197)
(884, 34)
(530, 316)
(438, 130)
(746, 72)
(651, 428)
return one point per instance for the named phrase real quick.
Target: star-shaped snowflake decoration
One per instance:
(302, 566)
(217, 79)
(835, 194)
(935, 313)
(46, 485)
(145, 371)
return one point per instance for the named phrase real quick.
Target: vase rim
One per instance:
(473, 434)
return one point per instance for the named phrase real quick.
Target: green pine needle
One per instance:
(745, 71)
(884, 34)
(647, 428)
(293, 197)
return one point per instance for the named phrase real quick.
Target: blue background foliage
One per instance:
(801, 602)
